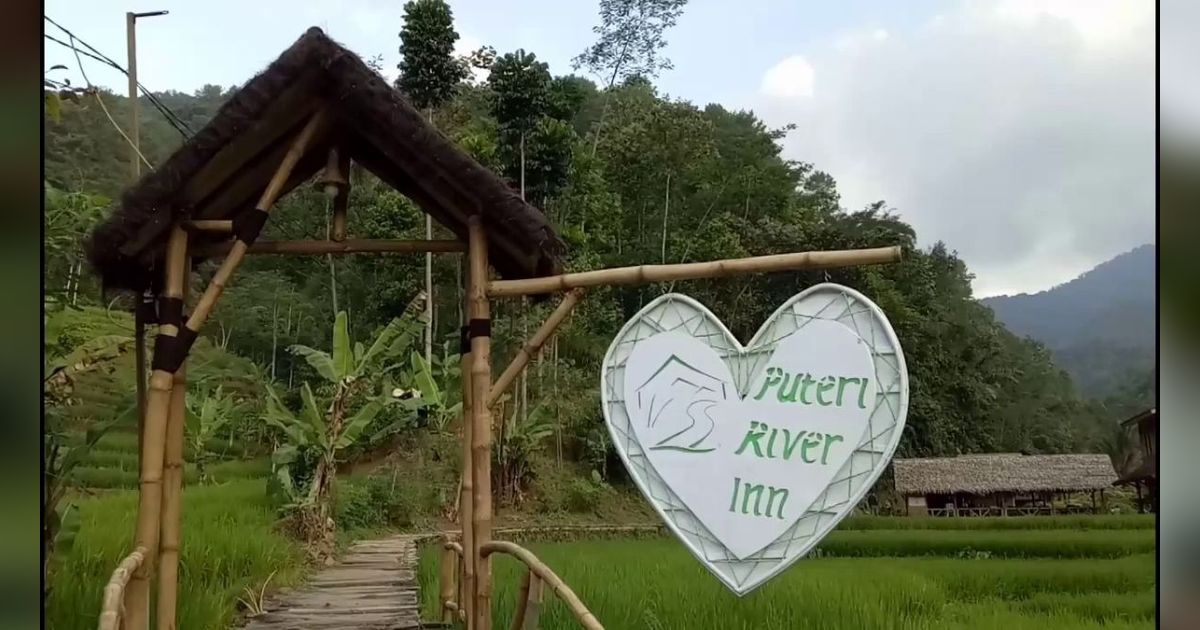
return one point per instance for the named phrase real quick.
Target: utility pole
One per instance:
(131, 46)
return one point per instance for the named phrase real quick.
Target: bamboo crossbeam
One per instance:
(644, 274)
(154, 436)
(112, 609)
(350, 246)
(547, 576)
(211, 225)
(535, 343)
(168, 545)
(481, 430)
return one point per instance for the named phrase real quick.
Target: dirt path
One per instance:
(373, 586)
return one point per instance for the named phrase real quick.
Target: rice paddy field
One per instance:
(1064, 572)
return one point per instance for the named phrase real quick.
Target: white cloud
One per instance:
(1020, 133)
(791, 78)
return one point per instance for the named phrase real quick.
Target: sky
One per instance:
(1019, 132)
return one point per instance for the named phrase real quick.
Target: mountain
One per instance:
(1100, 327)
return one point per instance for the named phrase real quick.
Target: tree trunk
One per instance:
(666, 207)
(429, 276)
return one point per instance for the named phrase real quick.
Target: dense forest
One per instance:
(626, 175)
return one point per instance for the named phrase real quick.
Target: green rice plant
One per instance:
(997, 543)
(658, 584)
(228, 544)
(1073, 521)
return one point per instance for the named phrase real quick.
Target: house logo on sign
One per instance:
(752, 454)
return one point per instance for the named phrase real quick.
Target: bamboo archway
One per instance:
(157, 539)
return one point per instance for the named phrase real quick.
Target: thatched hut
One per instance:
(1144, 476)
(998, 483)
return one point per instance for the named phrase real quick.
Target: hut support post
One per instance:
(466, 500)
(171, 348)
(481, 438)
(150, 476)
(168, 547)
(535, 343)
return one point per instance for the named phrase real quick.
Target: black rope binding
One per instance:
(171, 351)
(479, 328)
(170, 311)
(248, 225)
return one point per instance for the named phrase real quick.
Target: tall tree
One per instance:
(521, 97)
(631, 34)
(429, 73)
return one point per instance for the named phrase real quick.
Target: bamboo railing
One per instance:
(112, 613)
(538, 576)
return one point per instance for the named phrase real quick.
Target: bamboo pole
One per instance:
(150, 488)
(139, 357)
(238, 250)
(112, 609)
(481, 438)
(546, 575)
(533, 603)
(168, 546)
(643, 274)
(446, 581)
(518, 619)
(350, 246)
(466, 500)
(211, 225)
(535, 343)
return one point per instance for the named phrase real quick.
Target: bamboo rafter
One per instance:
(210, 225)
(643, 274)
(112, 611)
(349, 246)
(545, 575)
(539, 338)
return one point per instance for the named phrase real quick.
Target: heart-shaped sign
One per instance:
(752, 454)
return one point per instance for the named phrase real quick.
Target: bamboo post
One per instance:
(168, 546)
(466, 501)
(150, 490)
(535, 343)
(446, 581)
(644, 274)
(518, 619)
(533, 603)
(139, 357)
(481, 439)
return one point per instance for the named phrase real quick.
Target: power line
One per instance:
(172, 118)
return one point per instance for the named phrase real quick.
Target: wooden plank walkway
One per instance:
(373, 586)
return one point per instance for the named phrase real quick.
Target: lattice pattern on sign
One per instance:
(674, 312)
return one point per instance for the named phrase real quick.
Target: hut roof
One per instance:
(1148, 417)
(1003, 472)
(222, 170)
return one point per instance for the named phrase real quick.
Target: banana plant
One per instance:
(207, 414)
(328, 429)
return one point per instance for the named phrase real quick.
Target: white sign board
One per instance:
(752, 454)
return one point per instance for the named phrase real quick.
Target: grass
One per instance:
(1076, 522)
(115, 477)
(228, 544)
(657, 584)
(1004, 543)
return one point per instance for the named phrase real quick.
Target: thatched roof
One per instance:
(1003, 472)
(1148, 417)
(222, 170)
